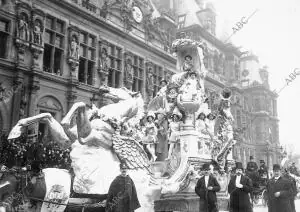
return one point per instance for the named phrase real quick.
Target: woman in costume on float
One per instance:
(174, 128)
(150, 138)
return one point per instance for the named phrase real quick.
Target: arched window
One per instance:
(49, 104)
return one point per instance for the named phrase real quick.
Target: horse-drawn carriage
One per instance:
(17, 193)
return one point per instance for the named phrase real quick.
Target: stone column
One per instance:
(32, 109)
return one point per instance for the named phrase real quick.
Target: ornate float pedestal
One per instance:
(178, 192)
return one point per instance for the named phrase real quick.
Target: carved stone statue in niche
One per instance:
(74, 48)
(150, 81)
(128, 73)
(104, 9)
(37, 32)
(126, 15)
(22, 30)
(104, 60)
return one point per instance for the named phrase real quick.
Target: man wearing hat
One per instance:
(206, 189)
(263, 170)
(122, 196)
(251, 165)
(286, 174)
(239, 188)
(279, 191)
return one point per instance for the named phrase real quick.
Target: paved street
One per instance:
(260, 208)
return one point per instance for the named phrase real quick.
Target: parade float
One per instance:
(99, 138)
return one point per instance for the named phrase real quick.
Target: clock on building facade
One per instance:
(137, 14)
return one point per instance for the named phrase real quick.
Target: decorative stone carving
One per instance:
(22, 27)
(35, 86)
(104, 9)
(73, 57)
(36, 45)
(104, 67)
(23, 103)
(2, 90)
(74, 47)
(149, 79)
(37, 32)
(36, 52)
(128, 70)
(71, 96)
(149, 27)
(22, 30)
(126, 14)
(50, 103)
(21, 48)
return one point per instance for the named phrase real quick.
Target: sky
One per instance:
(273, 34)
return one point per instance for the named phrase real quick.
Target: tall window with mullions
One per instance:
(54, 38)
(139, 73)
(87, 59)
(4, 33)
(115, 58)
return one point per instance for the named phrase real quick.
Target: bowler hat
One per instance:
(276, 167)
(123, 166)
(205, 166)
(239, 165)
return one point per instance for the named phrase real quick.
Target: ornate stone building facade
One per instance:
(55, 53)
(254, 105)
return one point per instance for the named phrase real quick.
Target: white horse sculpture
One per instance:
(97, 145)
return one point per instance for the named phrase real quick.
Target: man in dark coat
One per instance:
(206, 189)
(294, 188)
(279, 191)
(122, 196)
(239, 188)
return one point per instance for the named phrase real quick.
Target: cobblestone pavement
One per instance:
(260, 208)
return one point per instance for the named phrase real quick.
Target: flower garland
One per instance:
(20, 152)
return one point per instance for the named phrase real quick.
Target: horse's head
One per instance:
(117, 94)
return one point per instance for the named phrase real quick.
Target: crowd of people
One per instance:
(280, 189)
